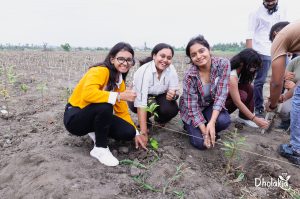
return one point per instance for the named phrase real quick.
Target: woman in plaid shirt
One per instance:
(205, 89)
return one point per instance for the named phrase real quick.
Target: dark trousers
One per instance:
(97, 118)
(246, 92)
(223, 123)
(166, 109)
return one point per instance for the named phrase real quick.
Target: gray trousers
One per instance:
(286, 110)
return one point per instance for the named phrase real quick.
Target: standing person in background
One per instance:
(205, 89)
(156, 80)
(287, 40)
(243, 68)
(259, 25)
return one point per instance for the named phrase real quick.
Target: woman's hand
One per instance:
(206, 140)
(267, 107)
(141, 141)
(211, 131)
(289, 84)
(171, 94)
(261, 122)
(290, 76)
(128, 94)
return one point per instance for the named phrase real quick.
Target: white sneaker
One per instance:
(104, 156)
(246, 122)
(93, 136)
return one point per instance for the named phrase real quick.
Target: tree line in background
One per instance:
(229, 47)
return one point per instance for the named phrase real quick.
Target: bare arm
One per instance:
(276, 84)
(249, 43)
(290, 93)
(142, 117)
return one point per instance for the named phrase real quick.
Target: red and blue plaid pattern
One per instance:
(192, 101)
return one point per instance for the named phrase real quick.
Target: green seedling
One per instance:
(24, 88)
(177, 174)
(232, 147)
(10, 75)
(238, 179)
(291, 192)
(153, 143)
(68, 92)
(42, 87)
(151, 108)
(137, 164)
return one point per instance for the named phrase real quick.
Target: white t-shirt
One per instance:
(234, 73)
(260, 23)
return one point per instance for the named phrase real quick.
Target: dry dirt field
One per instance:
(40, 159)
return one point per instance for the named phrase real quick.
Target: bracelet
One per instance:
(145, 134)
(284, 97)
(119, 97)
(253, 118)
(174, 97)
(205, 136)
(214, 121)
(273, 108)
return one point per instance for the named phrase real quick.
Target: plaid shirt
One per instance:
(192, 101)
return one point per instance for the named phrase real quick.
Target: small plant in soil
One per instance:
(10, 75)
(151, 109)
(25, 88)
(42, 87)
(67, 93)
(236, 143)
(153, 143)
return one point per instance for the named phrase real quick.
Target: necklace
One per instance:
(204, 79)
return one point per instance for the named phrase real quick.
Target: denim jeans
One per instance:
(259, 82)
(295, 120)
(223, 123)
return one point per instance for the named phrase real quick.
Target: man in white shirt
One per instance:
(259, 26)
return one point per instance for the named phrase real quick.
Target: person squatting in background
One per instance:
(205, 89)
(259, 25)
(156, 81)
(241, 92)
(100, 92)
(287, 40)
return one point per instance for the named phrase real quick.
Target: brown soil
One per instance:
(40, 159)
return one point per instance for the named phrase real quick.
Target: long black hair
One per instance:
(250, 59)
(111, 67)
(200, 40)
(155, 50)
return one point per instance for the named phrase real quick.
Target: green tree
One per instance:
(66, 47)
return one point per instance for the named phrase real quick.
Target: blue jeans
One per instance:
(259, 82)
(223, 123)
(295, 120)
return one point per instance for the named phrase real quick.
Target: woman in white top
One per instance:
(241, 92)
(156, 80)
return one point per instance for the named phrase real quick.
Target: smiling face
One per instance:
(163, 59)
(270, 4)
(121, 67)
(200, 55)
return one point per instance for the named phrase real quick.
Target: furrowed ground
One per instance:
(40, 159)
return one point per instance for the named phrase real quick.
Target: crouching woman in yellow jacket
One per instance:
(100, 92)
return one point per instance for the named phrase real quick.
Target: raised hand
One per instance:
(171, 94)
(128, 94)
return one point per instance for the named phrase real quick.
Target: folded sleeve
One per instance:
(222, 84)
(141, 85)
(252, 25)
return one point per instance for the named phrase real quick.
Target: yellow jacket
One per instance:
(90, 90)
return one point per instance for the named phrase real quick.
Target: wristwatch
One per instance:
(273, 108)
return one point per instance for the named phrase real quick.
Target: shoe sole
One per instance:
(111, 165)
(241, 121)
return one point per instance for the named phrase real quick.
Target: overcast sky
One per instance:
(104, 23)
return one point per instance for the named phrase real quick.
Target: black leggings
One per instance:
(166, 110)
(97, 118)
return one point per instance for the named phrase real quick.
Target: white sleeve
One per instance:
(173, 83)
(112, 98)
(252, 24)
(141, 82)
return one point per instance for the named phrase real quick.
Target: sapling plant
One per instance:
(151, 108)
(42, 88)
(232, 147)
(68, 92)
(153, 143)
(25, 88)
